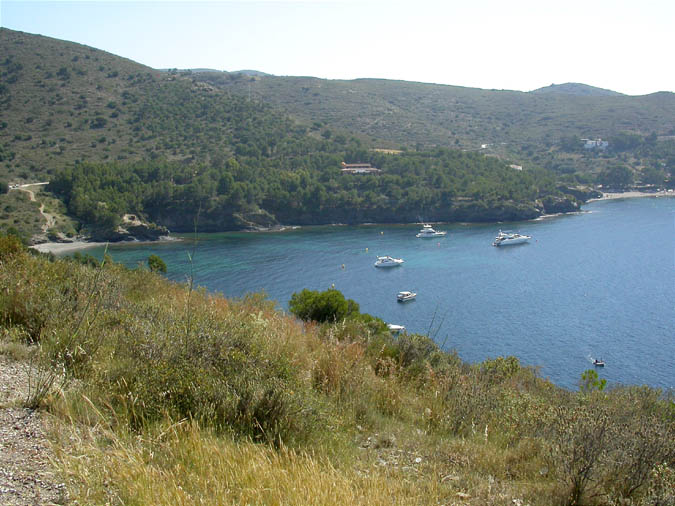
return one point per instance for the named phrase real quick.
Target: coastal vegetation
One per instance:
(250, 151)
(223, 401)
(308, 188)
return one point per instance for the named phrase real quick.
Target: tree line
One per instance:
(303, 186)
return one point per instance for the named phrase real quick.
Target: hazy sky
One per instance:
(626, 46)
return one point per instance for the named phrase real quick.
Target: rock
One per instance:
(563, 204)
(583, 193)
(129, 230)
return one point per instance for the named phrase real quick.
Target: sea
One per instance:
(595, 284)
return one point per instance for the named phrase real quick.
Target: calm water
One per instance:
(598, 284)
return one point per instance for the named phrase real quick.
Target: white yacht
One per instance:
(395, 329)
(388, 261)
(405, 296)
(427, 231)
(506, 237)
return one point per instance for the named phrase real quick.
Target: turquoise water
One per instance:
(596, 284)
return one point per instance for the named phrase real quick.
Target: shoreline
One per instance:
(58, 248)
(64, 247)
(632, 195)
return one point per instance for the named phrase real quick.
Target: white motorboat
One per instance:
(388, 261)
(598, 362)
(428, 231)
(395, 329)
(506, 237)
(405, 296)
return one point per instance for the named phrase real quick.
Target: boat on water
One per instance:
(395, 329)
(405, 296)
(506, 237)
(387, 261)
(428, 231)
(598, 362)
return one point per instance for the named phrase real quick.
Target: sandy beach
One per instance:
(60, 248)
(64, 247)
(634, 194)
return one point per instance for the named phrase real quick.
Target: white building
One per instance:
(595, 144)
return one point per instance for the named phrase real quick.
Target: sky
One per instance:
(625, 46)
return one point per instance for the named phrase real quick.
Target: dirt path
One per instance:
(49, 218)
(26, 475)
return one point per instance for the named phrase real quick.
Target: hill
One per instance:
(528, 128)
(576, 89)
(248, 151)
(431, 114)
(64, 103)
(114, 138)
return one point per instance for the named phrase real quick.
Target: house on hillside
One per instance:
(595, 144)
(359, 168)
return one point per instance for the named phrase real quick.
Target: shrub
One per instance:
(10, 245)
(328, 306)
(156, 264)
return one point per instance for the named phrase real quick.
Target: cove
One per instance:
(595, 284)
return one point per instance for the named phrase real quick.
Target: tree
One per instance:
(4, 187)
(156, 264)
(653, 175)
(330, 305)
(616, 176)
(590, 381)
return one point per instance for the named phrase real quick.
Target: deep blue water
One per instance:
(600, 284)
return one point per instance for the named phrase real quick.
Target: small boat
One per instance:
(405, 296)
(598, 363)
(428, 231)
(506, 237)
(388, 261)
(395, 329)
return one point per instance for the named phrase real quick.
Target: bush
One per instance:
(10, 245)
(328, 306)
(156, 264)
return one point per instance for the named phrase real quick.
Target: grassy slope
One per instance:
(50, 111)
(64, 103)
(230, 402)
(407, 112)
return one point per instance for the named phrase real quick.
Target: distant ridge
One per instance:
(576, 89)
(253, 73)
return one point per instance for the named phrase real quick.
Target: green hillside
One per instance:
(526, 127)
(64, 103)
(248, 151)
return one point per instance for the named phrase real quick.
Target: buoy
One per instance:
(366, 250)
(343, 266)
(381, 233)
